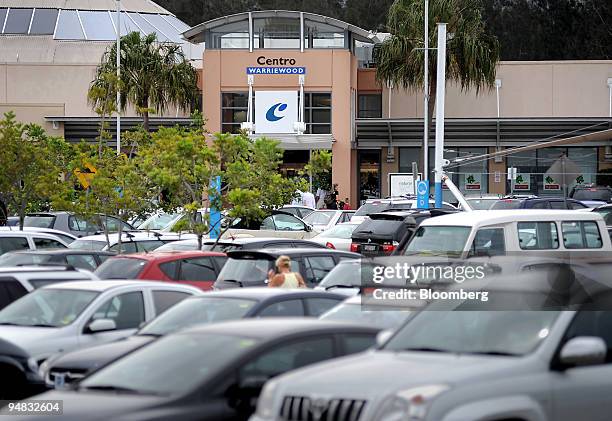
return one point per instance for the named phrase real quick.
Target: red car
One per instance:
(197, 268)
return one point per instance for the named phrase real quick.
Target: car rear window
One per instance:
(13, 243)
(39, 221)
(87, 245)
(506, 204)
(120, 268)
(368, 208)
(381, 228)
(593, 194)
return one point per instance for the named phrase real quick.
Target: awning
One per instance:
(293, 142)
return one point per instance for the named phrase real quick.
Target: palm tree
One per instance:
(472, 54)
(154, 75)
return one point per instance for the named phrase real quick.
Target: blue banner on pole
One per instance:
(215, 214)
(423, 194)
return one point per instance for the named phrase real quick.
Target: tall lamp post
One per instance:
(118, 76)
(426, 98)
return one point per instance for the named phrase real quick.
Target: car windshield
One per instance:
(120, 268)
(198, 311)
(472, 332)
(445, 240)
(47, 307)
(87, 245)
(319, 217)
(39, 221)
(185, 245)
(347, 274)
(159, 221)
(245, 270)
(506, 204)
(22, 259)
(379, 316)
(603, 195)
(174, 365)
(339, 231)
(373, 207)
(481, 204)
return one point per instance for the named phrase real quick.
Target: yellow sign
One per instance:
(85, 176)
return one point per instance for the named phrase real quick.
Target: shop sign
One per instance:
(402, 184)
(550, 184)
(522, 182)
(473, 182)
(276, 111)
(275, 66)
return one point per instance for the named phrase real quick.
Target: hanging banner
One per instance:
(473, 182)
(522, 182)
(275, 111)
(550, 184)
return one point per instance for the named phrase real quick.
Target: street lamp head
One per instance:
(610, 82)
(498, 83)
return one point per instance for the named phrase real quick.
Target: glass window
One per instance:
(317, 267)
(10, 290)
(287, 308)
(18, 21)
(283, 222)
(146, 27)
(489, 242)
(289, 357)
(233, 110)
(148, 245)
(124, 247)
(69, 26)
(44, 22)
(82, 261)
(276, 32)
(557, 204)
(163, 300)
(233, 35)
(170, 269)
(592, 235)
(47, 243)
(317, 112)
(127, 24)
(87, 245)
(13, 243)
(126, 310)
(542, 205)
(39, 221)
(369, 174)
(577, 235)
(121, 268)
(162, 25)
(318, 306)
(2, 16)
(245, 270)
(197, 269)
(76, 223)
(321, 35)
(439, 239)
(177, 23)
(538, 235)
(354, 343)
(98, 26)
(370, 106)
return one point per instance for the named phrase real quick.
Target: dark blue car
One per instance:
(538, 203)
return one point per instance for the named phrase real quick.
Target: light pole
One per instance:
(441, 92)
(426, 98)
(118, 76)
(610, 95)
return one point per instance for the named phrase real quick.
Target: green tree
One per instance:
(28, 172)
(154, 76)
(472, 53)
(319, 169)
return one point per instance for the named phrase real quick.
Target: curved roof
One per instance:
(143, 6)
(196, 34)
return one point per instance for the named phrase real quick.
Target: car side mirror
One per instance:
(101, 325)
(383, 336)
(308, 228)
(583, 350)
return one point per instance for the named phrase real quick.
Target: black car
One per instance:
(19, 377)
(81, 259)
(538, 203)
(381, 233)
(254, 243)
(213, 307)
(591, 192)
(212, 372)
(250, 268)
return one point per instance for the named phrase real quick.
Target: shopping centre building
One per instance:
(310, 82)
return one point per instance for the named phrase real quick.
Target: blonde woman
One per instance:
(282, 277)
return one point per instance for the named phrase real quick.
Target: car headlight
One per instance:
(409, 404)
(265, 403)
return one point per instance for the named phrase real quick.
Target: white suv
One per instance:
(29, 240)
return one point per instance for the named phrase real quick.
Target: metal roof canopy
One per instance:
(196, 34)
(143, 6)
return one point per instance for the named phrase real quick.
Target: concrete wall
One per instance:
(529, 89)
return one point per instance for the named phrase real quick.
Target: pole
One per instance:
(118, 76)
(415, 177)
(426, 98)
(441, 92)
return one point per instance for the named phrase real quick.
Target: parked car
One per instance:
(538, 203)
(196, 268)
(74, 224)
(468, 365)
(395, 203)
(28, 240)
(338, 237)
(212, 372)
(482, 202)
(606, 212)
(158, 221)
(245, 243)
(382, 232)
(552, 233)
(382, 314)
(20, 377)
(591, 193)
(15, 282)
(278, 224)
(213, 307)
(250, 268)
(131, 242)
(67, 237)
(346, 277)
(299, 211)
(88, 260)
(65, 316)
(325, 219)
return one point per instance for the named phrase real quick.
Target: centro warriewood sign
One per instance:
(275, 66)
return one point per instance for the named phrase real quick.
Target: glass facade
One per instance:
(276, 33)
(18, 21)
(369, 106)
(98, 26)
(233, 35)
(321, 35)
(369, 174)
(44, 21)
(233, 110)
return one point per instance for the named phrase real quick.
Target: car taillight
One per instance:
(388, 248)
(354, 247)
(330, 245)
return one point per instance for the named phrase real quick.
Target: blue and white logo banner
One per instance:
(276, 70)
(275, 111)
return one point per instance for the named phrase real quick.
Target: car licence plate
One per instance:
(370, 247)
(59, 381)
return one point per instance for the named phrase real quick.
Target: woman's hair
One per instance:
(283, 262)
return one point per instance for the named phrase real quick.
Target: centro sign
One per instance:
(275, 111)
(276, 66)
